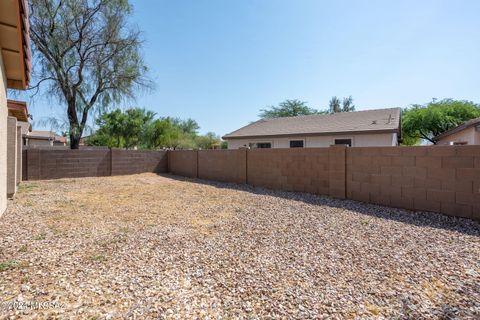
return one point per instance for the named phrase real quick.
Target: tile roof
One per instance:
(359, 121)
(46, 135)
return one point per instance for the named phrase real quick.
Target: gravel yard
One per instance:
(148, 246)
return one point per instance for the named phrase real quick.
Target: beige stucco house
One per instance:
(39, 138)
(379, 127)
(466, 133)
(14, 74)
(17, 123)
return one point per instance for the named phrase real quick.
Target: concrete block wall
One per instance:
(11, 156)
(443, 179)
(133, 161)
(301, 170)
(223, 165)
(183, 163)
(337, 166)
(42, 164)
(45, 164)
(24, 164)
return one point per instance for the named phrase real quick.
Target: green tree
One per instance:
(208, 141)
(110, 132)
(427, 121)
(188, 126)
(334, 105)
(171, 133)
(163, 133)
(122, 129)
(186, 135)
(288, 108)
(134, 125)
(345, 106)
(87, 53)
(138, 128)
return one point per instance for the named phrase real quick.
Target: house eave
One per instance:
(15, 43)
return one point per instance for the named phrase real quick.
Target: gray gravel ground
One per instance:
(148, 246)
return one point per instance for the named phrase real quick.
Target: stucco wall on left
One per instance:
(3, 137)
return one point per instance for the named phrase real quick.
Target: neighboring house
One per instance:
(19, 110)
(37, 138)
(26, 127)
(466, 133)
(17, 125)
(15, 66)
(381, 127)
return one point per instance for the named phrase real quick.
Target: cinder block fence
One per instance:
(444, 179)
(43, 164)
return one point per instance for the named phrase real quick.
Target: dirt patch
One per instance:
(150, 246)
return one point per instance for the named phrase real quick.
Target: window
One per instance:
(264, 145)
(296, 143)
(344, 141)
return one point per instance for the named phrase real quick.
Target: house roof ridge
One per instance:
(363, 120)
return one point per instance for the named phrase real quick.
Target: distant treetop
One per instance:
(288, 108)
(295, 107)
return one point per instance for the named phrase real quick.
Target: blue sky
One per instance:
(220, 61)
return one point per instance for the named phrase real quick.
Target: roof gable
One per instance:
(463, 126)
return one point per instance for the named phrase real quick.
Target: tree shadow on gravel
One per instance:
(417, 218)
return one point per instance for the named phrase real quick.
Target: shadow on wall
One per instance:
(416, 218)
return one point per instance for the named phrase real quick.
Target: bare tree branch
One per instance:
(87, 53)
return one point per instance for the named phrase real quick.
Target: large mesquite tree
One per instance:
(87, 54)
(425, 122)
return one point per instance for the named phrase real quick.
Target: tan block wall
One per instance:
(442, 179)
(223, 165)
(183, 163)
(11, 156)
(3, 138)
(302, 170)
(133, 161)
(43, 164)
(337, 159)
